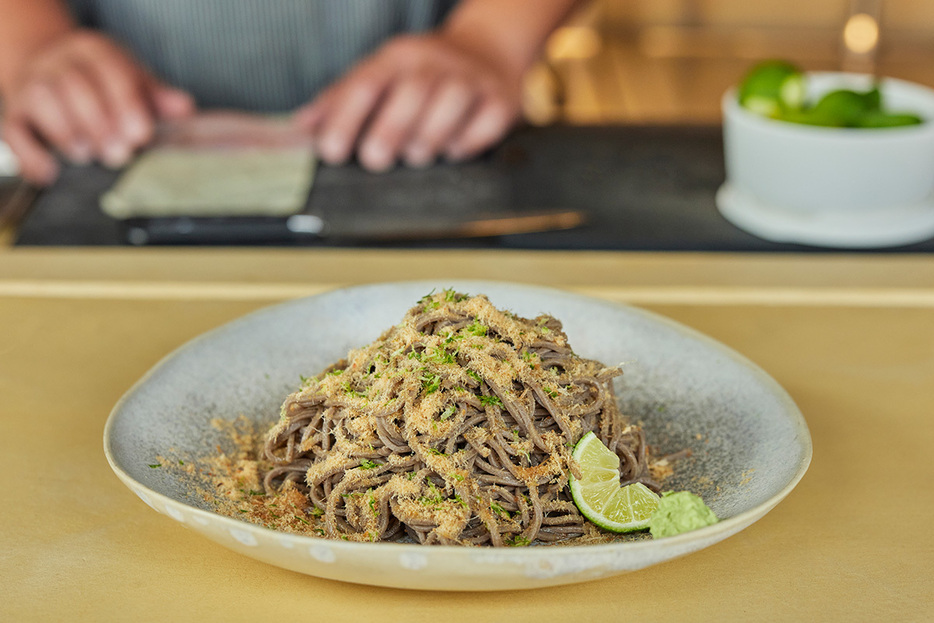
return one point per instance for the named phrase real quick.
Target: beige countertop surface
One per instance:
(851, 337)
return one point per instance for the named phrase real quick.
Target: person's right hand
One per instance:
(87, 99)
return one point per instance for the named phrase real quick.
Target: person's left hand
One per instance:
(417, 98)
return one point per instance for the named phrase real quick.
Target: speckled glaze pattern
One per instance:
(749, 443)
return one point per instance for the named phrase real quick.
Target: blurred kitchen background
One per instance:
(669, 61)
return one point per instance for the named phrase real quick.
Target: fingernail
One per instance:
(376, 156)
(136, 128)
(80, 152)
(332, 149)
(116, 154)
(454, 154)
(418, 156)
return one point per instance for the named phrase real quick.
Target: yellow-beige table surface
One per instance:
(850, 337)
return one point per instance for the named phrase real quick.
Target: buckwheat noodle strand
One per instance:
(455, 427)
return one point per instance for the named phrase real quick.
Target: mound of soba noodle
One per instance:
(455, 427)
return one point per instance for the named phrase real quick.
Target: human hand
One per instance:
(417, 98)
(87, 99)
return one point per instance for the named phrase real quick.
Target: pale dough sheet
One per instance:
(217, 165)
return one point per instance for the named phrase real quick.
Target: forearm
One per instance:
(511, 32)
(28, 26)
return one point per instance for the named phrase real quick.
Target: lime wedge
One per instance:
(771, 87)
(846, 106)
(873, 98)
(598, 495)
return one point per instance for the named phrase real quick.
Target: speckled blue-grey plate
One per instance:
(750, 445)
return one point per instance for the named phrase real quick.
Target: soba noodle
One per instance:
(455, 427)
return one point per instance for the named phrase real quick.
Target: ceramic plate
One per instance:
(750, 445)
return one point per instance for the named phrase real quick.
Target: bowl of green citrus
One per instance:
(828, 159)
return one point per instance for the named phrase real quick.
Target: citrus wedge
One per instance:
(847, 106)
(772, 87)
(597, 493)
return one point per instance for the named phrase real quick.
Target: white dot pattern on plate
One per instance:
(286, 542)
(243, 537)
(322, 553)
(175, 514)
(413, 561)
(572, 565)
(201, 521)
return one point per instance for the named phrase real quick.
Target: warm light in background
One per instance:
(573, 43)
(861, 33)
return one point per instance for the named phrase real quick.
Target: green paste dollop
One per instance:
(680, 511)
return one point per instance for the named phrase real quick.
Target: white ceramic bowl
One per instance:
(842, 187)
